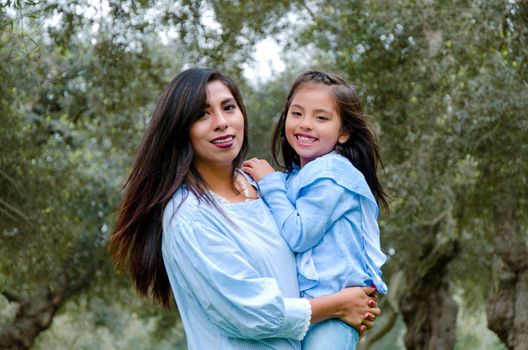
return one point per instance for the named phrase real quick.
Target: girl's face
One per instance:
(313, 125)
(217, 137)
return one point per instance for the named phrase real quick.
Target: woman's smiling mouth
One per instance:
(225, 141)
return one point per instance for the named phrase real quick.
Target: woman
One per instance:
(191, 222)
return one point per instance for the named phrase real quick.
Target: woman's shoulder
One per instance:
(182, 207)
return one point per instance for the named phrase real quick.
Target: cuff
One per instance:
(272, 181)
(298, 313)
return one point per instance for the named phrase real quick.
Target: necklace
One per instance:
(243, 186)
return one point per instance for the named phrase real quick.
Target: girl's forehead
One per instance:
(314, 93)
(313, 87)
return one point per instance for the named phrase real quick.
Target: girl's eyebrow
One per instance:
(297, 106)
(320, 110)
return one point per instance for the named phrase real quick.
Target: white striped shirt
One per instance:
(235, 283)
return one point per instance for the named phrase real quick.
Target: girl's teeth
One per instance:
(305, 139)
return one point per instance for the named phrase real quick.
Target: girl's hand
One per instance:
(257, 168)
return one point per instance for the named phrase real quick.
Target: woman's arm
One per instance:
(212, 269)
(355, 306)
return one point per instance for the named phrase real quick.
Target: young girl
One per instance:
(192, 226)
(326, 205)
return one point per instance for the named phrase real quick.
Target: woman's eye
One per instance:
(296, 114)
(230, 107)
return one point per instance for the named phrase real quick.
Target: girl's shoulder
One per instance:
(337, 168)
(332, 161)
(333, 166)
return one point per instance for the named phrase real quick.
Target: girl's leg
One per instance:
(330, 334)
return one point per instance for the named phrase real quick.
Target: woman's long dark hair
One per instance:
(361, 148)
(163, 163)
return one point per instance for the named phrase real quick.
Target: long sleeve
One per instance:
(304, 223)
(213, 271)
(328, 215)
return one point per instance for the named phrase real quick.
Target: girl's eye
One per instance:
(296, 114)
(322, 117)
(204, 115)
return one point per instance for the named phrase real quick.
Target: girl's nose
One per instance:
(306, 123)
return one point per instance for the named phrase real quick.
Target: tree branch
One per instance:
(9, 179)
(310, 12)
(10, 208)
(11, 297)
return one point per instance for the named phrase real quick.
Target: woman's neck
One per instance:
(220, 181)
(217, 178)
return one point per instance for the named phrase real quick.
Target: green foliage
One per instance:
(102, 324)
(78, 89)
(446, 84)
(264, 104)
(74, 103)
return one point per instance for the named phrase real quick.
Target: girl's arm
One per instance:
(303, 223)
(322, 203)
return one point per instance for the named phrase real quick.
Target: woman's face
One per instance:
(218, 135)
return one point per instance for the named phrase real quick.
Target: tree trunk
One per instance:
(427, 308)
(35, 313)
(507, 304)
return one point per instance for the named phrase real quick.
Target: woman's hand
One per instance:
(356, 306)
(257, 168)
(359, 308)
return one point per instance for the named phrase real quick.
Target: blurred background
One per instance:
(445, 83)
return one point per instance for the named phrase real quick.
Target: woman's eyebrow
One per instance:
(228, 100)
(224, 101)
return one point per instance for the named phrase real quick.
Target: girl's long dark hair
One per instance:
(361, 148)
(163, 163)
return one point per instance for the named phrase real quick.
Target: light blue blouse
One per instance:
(328, 215)
(234, 280)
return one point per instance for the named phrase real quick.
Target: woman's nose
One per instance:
(220, 121)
